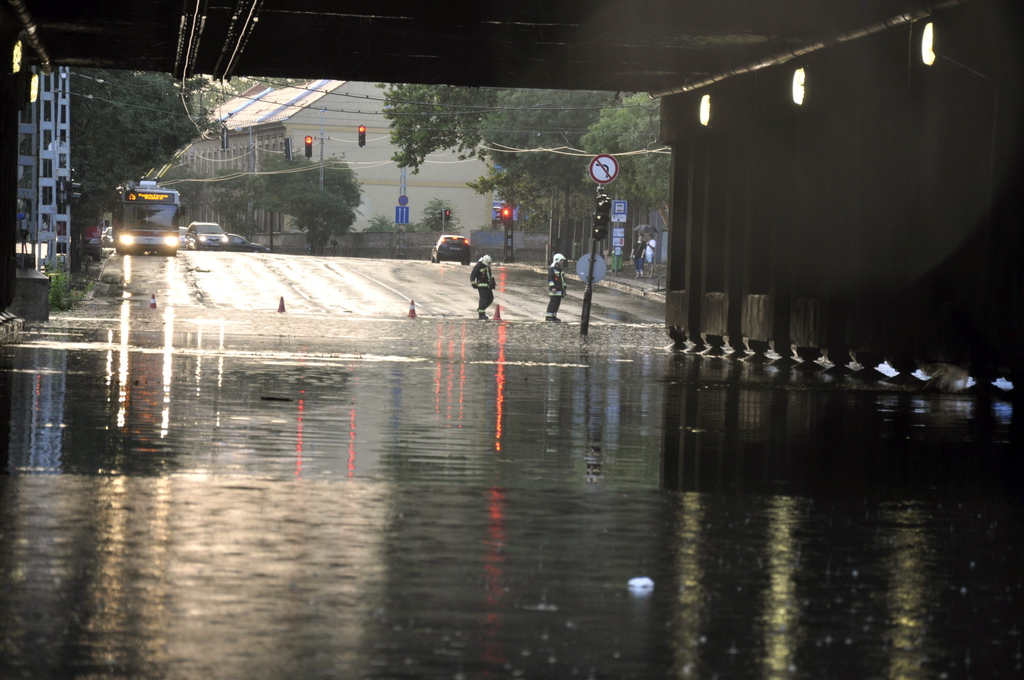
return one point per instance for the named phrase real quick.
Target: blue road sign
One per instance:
(401, 214)
(618, 211)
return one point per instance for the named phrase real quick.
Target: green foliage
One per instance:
(382, 223)
(534, 137)
(432, 217)
(630, 133)
(62, 296)
(123, 124)
(293, 187)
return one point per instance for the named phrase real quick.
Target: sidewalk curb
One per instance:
(649, 290)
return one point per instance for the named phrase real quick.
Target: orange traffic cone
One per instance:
(412, 309)
(280, 306)
(152, 301)
(497, 312)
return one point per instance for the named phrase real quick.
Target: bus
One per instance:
(148, 222)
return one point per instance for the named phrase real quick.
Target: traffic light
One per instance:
(447, 214)
(309, 146)
(506, 215)
(362, 135)
(602, 216)
(224, 138)
(76, 190)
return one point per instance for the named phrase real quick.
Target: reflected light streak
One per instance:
(122, 369)
(127, 267)
(690, 609)
(781, 617)
(165, 419)
(199, 361)
(499, 398)
(907, 598)
(110, 360)
(494, 582)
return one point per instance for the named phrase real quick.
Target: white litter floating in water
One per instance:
(640, 585)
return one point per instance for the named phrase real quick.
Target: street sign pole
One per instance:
(588, 292)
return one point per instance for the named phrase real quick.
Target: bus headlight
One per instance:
(170, 240)
(126, 239)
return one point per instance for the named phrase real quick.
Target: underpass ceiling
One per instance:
(623, 45)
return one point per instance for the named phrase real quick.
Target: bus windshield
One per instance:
(152, 216)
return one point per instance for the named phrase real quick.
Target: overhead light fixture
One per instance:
(705, 110)
(928, 44)
(16, 57)
(799, 77)
(33, 88)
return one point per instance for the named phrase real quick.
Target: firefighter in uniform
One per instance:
(556, 287)
(482, 279)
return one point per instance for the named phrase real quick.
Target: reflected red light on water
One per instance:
(298, 437)
(352, 443)
(499, 398)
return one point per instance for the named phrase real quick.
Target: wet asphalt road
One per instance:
(214, 489)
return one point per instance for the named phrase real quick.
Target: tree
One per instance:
(631, 132)
(382, 223)
(432, 217)
(293, 187)
(124, 124)
(532, 137)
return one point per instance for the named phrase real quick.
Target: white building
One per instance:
(331, 111)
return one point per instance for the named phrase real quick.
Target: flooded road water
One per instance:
(268, 496)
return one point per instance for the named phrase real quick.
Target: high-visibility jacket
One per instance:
(556, 281)
(481, 276)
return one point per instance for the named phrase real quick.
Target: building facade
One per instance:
(262, 121)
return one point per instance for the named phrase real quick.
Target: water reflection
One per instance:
(474, 503)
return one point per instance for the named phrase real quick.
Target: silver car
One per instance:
(204, 236)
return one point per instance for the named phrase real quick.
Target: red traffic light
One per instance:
(362, 129)
(309, 146)
(506, 212)
(362, 135)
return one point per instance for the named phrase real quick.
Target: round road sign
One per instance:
(604, 168)
(583, 268)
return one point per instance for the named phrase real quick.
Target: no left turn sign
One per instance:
(604, 168)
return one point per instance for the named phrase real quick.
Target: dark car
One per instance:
(451, 247)
(238, 244)
(204, 236)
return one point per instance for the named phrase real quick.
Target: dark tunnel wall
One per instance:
(858, 221)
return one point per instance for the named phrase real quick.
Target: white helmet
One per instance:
(486, 259)
(558, 258)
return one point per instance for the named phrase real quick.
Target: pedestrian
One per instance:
(556, 287)
(649, 256)
(638, 256)
(482, 279)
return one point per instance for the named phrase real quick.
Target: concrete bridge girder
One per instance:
(865, 221)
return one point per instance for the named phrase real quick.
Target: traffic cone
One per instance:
(280, 306)
(497, 312)
(412, 309)
(152, 301)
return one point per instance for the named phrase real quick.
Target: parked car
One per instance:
(239, 244)
(451, 247)
(92, 241)
(204, 236)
